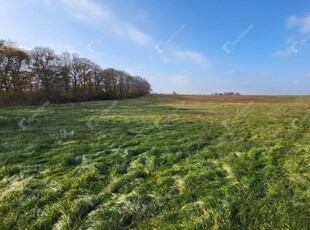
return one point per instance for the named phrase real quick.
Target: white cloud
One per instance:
(137, 36)
(87, 9)
(303, 23)
(284, 53)
(180, 80)
(44, 1)
(307, 75)
(192, 56)
(229, 71)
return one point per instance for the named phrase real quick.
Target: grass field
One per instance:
(157, 162)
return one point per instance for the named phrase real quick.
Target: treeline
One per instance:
(30, 77)
(226, 93)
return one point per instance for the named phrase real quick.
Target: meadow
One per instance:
(157, 162)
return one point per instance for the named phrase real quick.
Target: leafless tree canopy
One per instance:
(40, 74)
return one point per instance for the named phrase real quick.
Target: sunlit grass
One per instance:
(164, 162)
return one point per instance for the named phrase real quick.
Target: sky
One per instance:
(190, 47)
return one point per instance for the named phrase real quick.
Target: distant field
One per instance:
(157, 162)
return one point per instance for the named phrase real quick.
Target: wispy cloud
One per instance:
(192, 56)
(284, 52)
(229, 71)
(179, 79)
(44, 1)
(307, 75)
(87, 9)
(296, 42)
(137, 35)
(303, 23)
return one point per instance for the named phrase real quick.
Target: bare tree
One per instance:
(12, 62)
(65, 68)
(64, 77)
(45, 66)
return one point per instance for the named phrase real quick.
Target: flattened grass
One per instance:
(164, 162)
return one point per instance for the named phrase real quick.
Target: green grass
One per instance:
(158, 162)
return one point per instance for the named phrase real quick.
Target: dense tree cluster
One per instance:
(40, 74)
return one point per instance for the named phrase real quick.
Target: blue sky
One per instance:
(198, 46)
